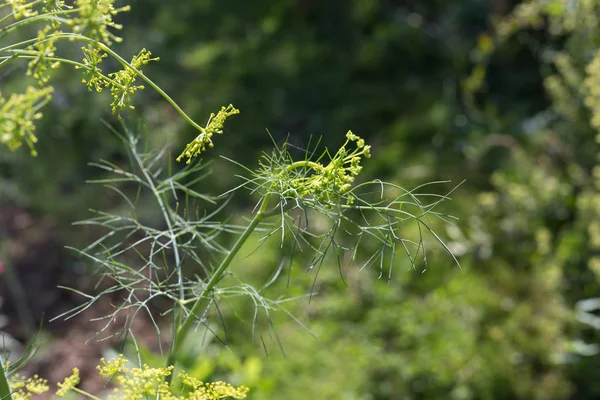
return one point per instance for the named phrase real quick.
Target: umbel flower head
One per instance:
(122, 83)
(146, 382)
(332, 181)
(18, 115)
(68, 384)
(326, 184)
(22, 8)
(94, 19)
(54, 5)
(203, 140)
(133, 384)
(41, 65)
(25, 388)
(92, 73)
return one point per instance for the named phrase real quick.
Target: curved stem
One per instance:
(29, 55)
(148, 81)
(30, 20)
(201, 302)
(19, 44)
(304, 163)
(125, 63)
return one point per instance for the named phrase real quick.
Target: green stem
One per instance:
(201, 302)
(304, 163)
(126, 64)
(86, 394)
(30, 20)
(149, 82)
(30, 54)
(20, 44)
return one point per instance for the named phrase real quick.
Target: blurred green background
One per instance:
(441, 93)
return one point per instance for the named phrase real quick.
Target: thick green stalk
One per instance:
(202, 300)
(201, 303)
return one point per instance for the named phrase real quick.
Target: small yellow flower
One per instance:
(18, 115)
(22, 8)
(40, 66)
(203, 140)
(108, 369)
(68, 384)
(95, 17)
(214, 390)
(24, 388)
(122, 85)
(92, 73)
(333, 181)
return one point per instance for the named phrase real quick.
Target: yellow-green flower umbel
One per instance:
(18, 115)
(325, 183)
(335, 179)
(203, 140)
(121, 83)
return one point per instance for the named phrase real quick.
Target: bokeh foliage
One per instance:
(503, 94)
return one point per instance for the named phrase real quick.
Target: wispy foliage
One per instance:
(145, 259)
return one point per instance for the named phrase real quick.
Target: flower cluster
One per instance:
(214, 390)
(139, 383)
(94, 19)
(90, 20)
(92, 73)
(132, 384)
(331, 182)
(42, 63)
(107, 369)
(122, 83)
(22, 8)
(68, 384)
(203, 140)
(54, 5)
(17, 116)
(25, 388)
